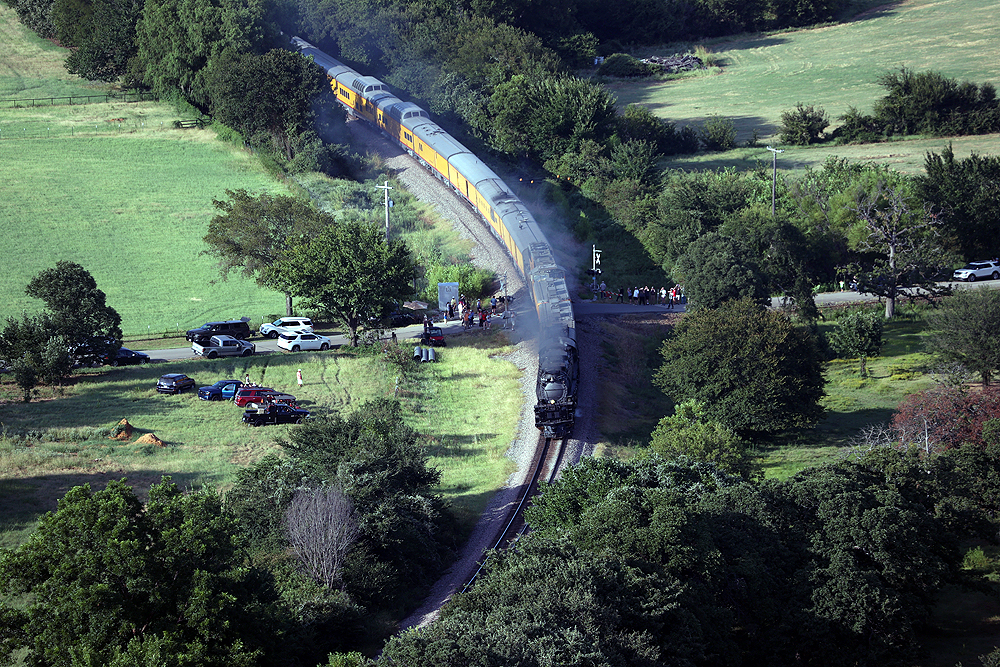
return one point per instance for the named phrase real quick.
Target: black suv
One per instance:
(235, 328)
(174, 383)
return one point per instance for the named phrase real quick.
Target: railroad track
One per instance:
(548, 459)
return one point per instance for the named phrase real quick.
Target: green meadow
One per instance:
(466, 421)
(833, 67)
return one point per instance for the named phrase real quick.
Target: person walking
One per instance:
(298, 376)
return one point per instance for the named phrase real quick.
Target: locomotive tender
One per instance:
(509, 219)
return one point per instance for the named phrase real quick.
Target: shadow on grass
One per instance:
(458, 446)
(24, 500)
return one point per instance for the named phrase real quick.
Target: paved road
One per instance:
(581, 309)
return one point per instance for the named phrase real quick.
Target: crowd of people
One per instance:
(472, 314)
(643, 296)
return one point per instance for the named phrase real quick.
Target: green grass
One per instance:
(465, 407)
(32, 66)
(832, 67)
(853, 402)
(131, 208)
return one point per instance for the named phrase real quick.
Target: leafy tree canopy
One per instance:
(717, 268)
(108, 580)
(964, 329)
(349, 271)
(858, 334)
(966, 192)
(252, 233)
(77, 310)
(688, 433)
(753, 370)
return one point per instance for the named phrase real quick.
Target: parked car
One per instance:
(127, 357)
(295, 342)
(235, 328)
(434, 336)
(247, 394)
(271, 397)
(223, 389)
(275, 414)
(94, 351)
(174, 383)
(974, 271)
(223, 346)
(286, 325)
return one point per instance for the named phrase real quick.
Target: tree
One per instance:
(716, 268)
(964, 329)
(688, 433)
(858, 334)
(550, 602)
(252, 234)
(543, 117)
(108, 46)
(78, 311)
(322, 529)
(24, 376)
(906, 244)
(966, 191)
(753, 370)
(803, 125)
(945, 417)
(106, 579)
(718, 133)
(273, 95)
(176, 41)
(348, 271)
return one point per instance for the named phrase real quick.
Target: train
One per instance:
(405, 123)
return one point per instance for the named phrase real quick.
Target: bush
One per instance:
(857, 128)
(803, 125)
(718, 134)
(625, 66)
(472, 282)
(946, 418)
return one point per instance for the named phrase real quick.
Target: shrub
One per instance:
(625, 66)
(857, 128)
(946, 417)
(803, 125)
(858, 334)
(473, 283)
(718, 134)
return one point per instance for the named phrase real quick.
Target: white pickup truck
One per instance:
(224, 346)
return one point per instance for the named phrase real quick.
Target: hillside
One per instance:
(833, 67)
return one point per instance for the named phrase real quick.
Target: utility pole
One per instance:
(388, 204)
(774, 175)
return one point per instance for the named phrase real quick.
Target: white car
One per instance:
(294, 342)
(973, 271)
(286, 325)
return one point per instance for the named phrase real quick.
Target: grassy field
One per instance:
(115, 188)
(47, 446)
(832, 67)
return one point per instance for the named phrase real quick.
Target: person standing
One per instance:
(298, 376)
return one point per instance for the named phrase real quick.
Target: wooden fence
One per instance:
(127, 96)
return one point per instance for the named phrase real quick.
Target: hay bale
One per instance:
(121, 431)
(150, 439)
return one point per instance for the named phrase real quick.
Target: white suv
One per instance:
(973, 271)
(286, 325)
(295, 342)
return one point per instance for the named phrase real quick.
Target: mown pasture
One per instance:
(465, 407)
(833, 67)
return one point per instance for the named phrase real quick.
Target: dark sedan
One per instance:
(174, 383)
(275, 413)
(127, 357)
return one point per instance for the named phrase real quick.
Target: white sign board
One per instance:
(447, 292)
